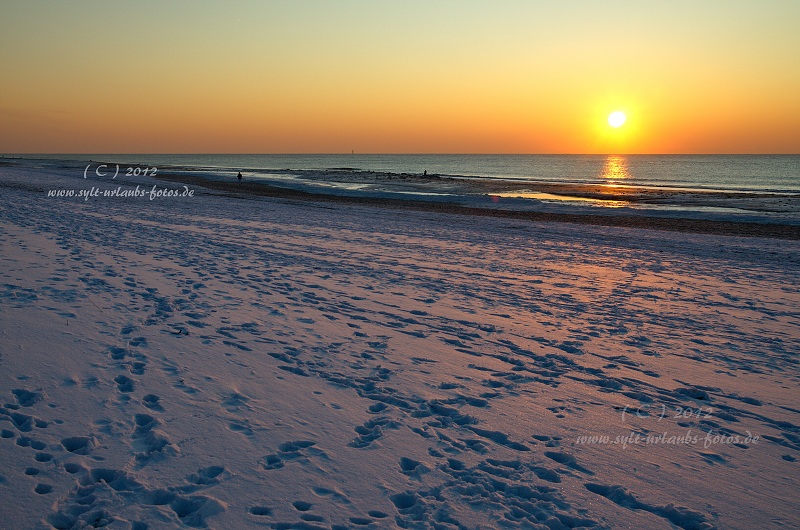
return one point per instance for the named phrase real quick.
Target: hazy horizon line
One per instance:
(5, 155)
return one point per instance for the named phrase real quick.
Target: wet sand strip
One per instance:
(728, 228)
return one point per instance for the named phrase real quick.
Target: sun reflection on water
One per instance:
(615, 170)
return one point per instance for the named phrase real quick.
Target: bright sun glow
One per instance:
(616, 119)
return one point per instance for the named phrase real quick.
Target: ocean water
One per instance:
(757, 173)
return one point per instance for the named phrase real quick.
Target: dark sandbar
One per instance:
(728, 228)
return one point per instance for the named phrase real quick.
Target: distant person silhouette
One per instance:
(425, 173)
(239, 176)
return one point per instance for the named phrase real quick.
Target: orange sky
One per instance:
(399, 77)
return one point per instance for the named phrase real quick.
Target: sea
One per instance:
(743, 173)
(747, 188)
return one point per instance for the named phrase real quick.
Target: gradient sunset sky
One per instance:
(399, 77)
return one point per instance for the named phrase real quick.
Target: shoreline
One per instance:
(718, 227)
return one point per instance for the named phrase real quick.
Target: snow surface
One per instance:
(238, 362)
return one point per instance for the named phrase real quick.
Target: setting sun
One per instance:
(617, 119)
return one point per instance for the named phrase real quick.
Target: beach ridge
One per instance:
(719, 227)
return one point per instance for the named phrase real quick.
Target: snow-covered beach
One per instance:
(232, 361)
